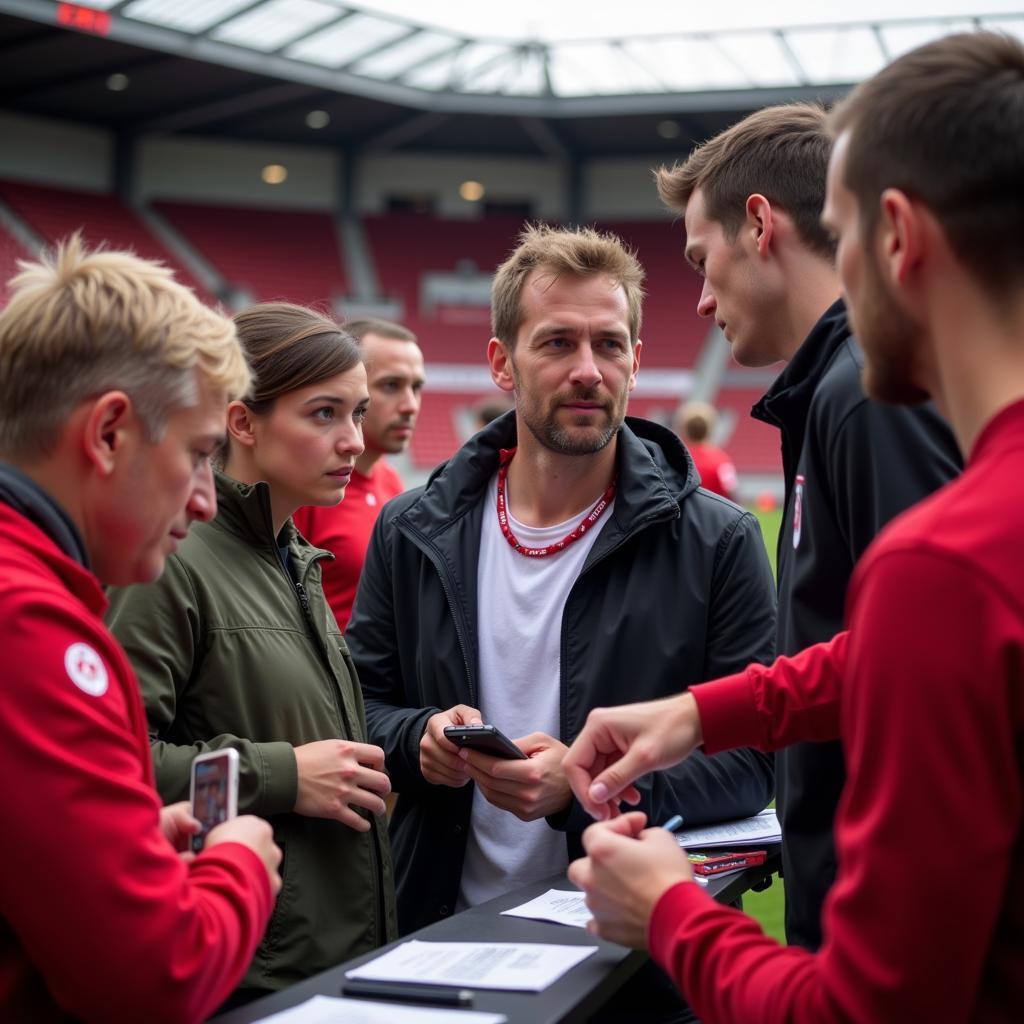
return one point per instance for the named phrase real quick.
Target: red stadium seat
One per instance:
(55, 213)
(273, 254)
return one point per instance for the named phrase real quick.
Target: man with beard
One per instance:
(394, 375)
(752, 199)
(565, 557)
(925, 690)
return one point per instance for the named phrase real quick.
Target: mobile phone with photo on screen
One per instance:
(213, 791)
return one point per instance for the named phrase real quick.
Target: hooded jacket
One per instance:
(101, 919)
(233, 651)
(677, 589)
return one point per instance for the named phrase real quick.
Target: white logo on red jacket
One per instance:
(798, 511)
(86, 669)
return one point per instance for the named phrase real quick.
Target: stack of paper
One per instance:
(563, 906)
(328, 1010)
(525, 967)
(756, 831)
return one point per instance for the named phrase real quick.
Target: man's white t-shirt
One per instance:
(519, 625)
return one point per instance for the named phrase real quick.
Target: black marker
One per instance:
(436, 995)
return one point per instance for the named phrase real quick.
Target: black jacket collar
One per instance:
(789, 398)
(655, 475)
(27, 498)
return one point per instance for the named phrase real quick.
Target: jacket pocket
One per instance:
(277, 928)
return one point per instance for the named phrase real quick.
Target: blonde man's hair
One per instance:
(578, 253)
(80, 323)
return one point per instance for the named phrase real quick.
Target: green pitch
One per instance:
(768, 907)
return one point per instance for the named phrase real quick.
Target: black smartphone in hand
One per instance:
(486, 738)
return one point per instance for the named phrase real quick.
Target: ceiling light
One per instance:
(274, 174)
(317, 119)
(668, 129)
(117, 82)
(471, 191)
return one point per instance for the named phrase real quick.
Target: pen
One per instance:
(436, 995)
(673, 823)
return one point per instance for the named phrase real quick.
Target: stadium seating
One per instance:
(753, 445)
(404, 246)
(55, 213)
(271, 254)
(11, 250)
(673, 334)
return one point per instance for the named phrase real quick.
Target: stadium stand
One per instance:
(672, 332)
(271, 254)
(753, 445)
(405, 246)
(55, 213)
(11, 250)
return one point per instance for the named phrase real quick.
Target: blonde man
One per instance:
(563, 558)
(114, 382)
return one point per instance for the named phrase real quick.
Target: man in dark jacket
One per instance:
(564, 558)
(752, 198)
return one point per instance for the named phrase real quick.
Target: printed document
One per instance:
(559, 905)
(756, 831)
(521, 967)
(328, 1010)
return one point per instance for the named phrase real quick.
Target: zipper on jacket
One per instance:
(380, 927)
(641, 524)
(435, 559)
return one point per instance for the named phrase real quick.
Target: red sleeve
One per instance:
(930, 738)
(770, 706)
(117, 924)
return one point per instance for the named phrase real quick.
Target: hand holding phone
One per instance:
(213, 791)
(441, 763)
(488, 739)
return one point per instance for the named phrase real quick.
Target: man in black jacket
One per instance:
(752, 199)
(564, 558)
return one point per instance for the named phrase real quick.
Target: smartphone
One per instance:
(485, 738)
(213, 791)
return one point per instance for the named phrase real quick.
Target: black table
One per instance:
(572, 998)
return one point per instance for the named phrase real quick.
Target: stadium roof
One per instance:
(515, 80)
(545, 60)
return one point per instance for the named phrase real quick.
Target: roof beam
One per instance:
(380, 48)
(242, 103)
(406, 131)
(96, 74)
(544, 138)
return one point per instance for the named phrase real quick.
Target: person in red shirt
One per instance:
(394, 367)
(114, 382)
(695, 422)
(926, 687)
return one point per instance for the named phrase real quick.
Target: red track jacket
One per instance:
(99, 917)
(925, 919)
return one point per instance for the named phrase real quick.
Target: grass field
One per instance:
(768, 906)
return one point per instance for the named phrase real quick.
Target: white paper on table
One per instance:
(761, 828)
(330, 1010)
(563, 906)
(518, 966)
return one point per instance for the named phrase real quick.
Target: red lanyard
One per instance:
(505, 457)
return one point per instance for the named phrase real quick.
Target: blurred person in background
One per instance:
(114, 380)
(695, 423)
(395, 375)
(236, 647)
(490, 408)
